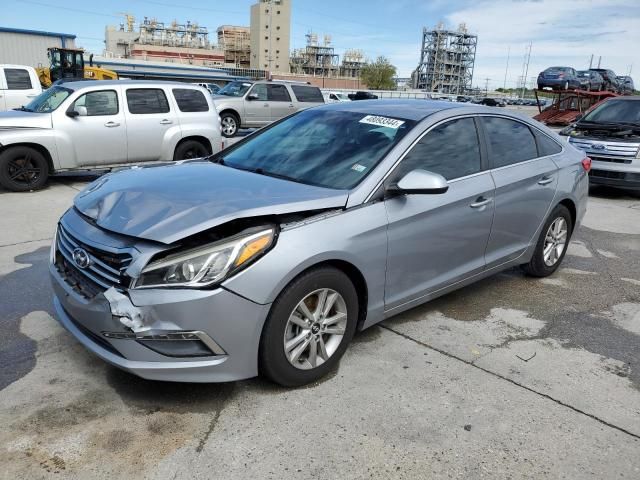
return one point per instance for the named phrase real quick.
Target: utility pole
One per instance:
(525, 67)
(486, 86)
(506, 70)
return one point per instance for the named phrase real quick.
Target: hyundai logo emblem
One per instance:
(598, 146)
(81, 258)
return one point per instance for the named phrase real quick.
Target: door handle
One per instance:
(111, 124)
(32, 95)
(545, 180)
(481, 202)
(266, 105)
(165, 121)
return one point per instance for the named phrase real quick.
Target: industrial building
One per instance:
(321, 60)
(352, 62)
(29, 47)
(271, 35)
(447, 59)
(186, 43)
(235, 43)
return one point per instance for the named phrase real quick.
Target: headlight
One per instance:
(206, 265)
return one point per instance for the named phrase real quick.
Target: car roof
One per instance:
(405, 108)
(129, 83)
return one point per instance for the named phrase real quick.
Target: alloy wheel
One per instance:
(24, 171)
(315, 329)
(229, 126)
(555, 241)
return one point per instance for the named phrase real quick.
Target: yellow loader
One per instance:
(68, 63)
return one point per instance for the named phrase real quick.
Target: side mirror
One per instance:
(77, 112)
(420, 182)
(253, 96)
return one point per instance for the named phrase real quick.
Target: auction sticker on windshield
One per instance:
(382, 121)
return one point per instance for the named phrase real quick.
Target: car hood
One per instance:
(168, 203)
(19, 119)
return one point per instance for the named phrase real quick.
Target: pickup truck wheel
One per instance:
(190, 149)
(230, 123)
(23, 169)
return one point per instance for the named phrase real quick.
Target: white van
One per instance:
(19, 84)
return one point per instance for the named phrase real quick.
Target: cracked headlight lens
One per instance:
(203, 266)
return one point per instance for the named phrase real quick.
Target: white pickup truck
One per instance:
(19, 85)
(101, 124)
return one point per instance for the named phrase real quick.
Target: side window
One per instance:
(190, 100)
(509, 141)
(307, 93)
(546, 146)
(260, 89)
(333, 97)
(147, 100)
(278, 93)
(18, 79)
(451, 149)
(98, 103)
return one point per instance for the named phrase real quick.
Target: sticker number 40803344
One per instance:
(382, 121)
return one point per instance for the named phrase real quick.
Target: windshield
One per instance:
(48, 100)
(615, 111)
(327, 148)
(235, 89)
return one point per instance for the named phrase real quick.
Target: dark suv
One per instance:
(625, 85)
(558, 78)
(609, 77)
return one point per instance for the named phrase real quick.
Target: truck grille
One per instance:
(104, 269)
(618, 149)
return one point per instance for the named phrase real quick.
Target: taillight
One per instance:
(586, 164)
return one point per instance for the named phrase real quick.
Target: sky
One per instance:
(561, 32)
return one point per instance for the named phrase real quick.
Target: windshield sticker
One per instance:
(357, 167)
(382, 121)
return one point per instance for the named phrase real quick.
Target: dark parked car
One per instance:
(493, 102)
(625, 85)
(609, 77)
(362, 96)
(558, 78)
(590, 80)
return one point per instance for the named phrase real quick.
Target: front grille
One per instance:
(619, 149)
(105, 269)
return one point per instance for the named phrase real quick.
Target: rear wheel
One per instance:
(309, 327)
(190, 149)
(230, 124)
(552, 243)
(23, 169)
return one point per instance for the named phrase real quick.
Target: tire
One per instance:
(285, 368)
(230, 124)
(190, 149)
(539, 266)
(23, 169)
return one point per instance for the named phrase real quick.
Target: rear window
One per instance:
(190, 100)
(17, 79)
(147, 100)
(307, 94)
(509, 141)
(546, 146)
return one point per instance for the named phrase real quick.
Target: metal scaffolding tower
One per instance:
(446, 60)
(315, 59)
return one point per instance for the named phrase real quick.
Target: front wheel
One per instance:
(309, 327)
(229, 123)
(23, 169)
(552, 243)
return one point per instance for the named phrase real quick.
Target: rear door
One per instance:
(436, 240)
(151, 122)
(21, 87)
(280, 102)
(525, 181)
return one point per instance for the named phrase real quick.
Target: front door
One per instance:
(436, 240)
(526, 182)
(98, 134)
(257, 110)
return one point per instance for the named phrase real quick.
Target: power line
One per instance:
(77, 10)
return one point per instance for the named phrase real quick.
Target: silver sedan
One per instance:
(267, 257)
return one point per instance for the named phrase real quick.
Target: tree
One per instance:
(379, 74)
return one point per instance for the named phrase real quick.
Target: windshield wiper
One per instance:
(23, 109)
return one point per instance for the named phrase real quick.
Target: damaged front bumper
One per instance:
(161, 334)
